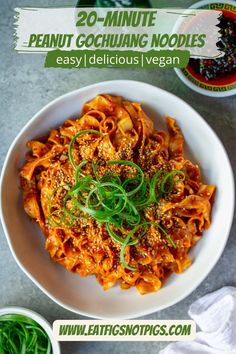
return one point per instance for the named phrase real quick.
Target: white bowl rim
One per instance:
(189, 83)
(185, 293)
(16, 310)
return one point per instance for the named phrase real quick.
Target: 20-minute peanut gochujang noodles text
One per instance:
(115, 197)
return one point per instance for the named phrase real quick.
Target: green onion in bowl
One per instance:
(23, 331)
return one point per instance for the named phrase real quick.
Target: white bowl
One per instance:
(84, 295)
(12, 310)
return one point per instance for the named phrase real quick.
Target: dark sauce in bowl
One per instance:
(211, 69)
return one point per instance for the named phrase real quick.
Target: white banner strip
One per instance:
(46, 29)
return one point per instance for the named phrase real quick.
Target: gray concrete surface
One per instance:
(26, 87)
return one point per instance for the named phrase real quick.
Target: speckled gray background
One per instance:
(26, 87)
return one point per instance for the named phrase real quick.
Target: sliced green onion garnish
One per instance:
(78, 170)
(167, 236)
(131, 164)
(168, 181)
(126, 242)
(95, 166)
(22, 335)
(73, 141)
(122, 254)
(112, 201)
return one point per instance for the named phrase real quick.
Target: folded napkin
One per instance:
(215, 315)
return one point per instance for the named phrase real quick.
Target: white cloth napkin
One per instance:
(215, 315)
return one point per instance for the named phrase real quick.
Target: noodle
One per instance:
(169, 204)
